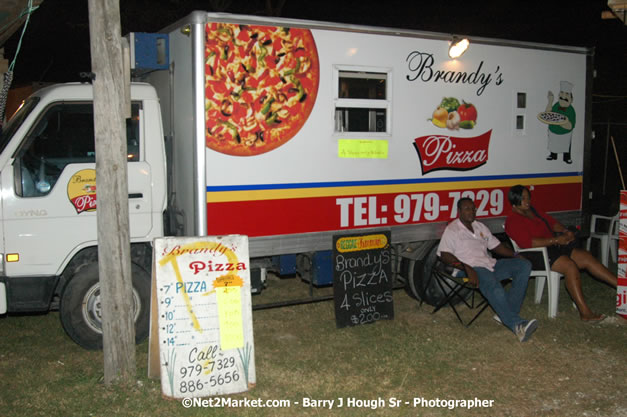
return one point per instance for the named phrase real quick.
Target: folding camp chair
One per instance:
(457, 289)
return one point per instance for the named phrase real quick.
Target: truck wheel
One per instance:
(412, 283)
(421, 286)
(81, 310)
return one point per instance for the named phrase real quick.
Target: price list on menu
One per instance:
(204, 315)
(362, 278)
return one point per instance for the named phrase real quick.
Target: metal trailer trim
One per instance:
(201, 17)
(587, 148)
(200, 160)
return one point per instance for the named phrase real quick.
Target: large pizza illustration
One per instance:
(261, 85)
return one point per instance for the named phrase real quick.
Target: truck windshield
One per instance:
(16, 121)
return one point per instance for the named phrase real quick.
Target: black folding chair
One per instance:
(457, 291)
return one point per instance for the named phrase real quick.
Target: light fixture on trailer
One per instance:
(458, 47)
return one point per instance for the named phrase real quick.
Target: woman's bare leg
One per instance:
(572, 276)
(585, 260)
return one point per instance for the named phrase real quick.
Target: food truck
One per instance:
(289, 132)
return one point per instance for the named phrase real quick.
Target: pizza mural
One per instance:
(261, 84)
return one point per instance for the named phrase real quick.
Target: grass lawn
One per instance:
(568, 368)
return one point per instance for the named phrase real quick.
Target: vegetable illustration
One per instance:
(467, 111)
(467, 124)
(453, 120)
(450, 104)
(452, 115)
(439, 117)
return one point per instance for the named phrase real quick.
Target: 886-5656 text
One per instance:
(223, 370)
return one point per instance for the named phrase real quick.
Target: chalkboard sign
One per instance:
(202, 293)
(362, 278)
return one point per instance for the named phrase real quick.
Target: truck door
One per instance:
(49, 192)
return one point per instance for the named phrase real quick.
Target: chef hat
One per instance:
(566, 86)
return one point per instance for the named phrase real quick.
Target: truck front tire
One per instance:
(80, 307)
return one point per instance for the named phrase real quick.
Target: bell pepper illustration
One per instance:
(468, 115)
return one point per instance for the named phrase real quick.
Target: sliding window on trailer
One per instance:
(362, 100)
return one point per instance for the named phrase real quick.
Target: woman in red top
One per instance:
(532, 228)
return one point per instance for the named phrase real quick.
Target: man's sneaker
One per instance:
(525, 329)
(497, 319)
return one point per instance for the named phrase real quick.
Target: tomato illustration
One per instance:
(467, 111)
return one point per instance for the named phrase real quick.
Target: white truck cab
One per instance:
(48, 198)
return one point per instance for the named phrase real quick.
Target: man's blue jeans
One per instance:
(506, 304)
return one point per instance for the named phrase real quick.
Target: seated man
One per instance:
(464, 245)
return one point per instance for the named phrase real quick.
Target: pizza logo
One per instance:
(261, 84)
(81, 190)
(454, 153)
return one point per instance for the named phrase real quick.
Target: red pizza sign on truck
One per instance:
(453, 153)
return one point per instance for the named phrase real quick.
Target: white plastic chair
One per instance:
(608, 239)
(541, 275)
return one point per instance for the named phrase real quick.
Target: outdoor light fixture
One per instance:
(458, 47)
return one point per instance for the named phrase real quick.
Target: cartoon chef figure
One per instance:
(560, 135)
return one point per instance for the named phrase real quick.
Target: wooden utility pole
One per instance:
(112, 190)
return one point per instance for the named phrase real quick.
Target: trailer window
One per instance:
(362, 101)
(521, 100)
(369, 85)
(521, 106)
(63, 135)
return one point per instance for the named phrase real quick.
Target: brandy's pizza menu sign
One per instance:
(621, 288)
(362, 278)
(205, 336)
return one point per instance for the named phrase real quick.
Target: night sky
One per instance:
(56, 44)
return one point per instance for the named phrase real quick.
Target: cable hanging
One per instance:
(8, 76)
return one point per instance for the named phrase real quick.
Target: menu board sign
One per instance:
(362, 278)
(203, 300)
